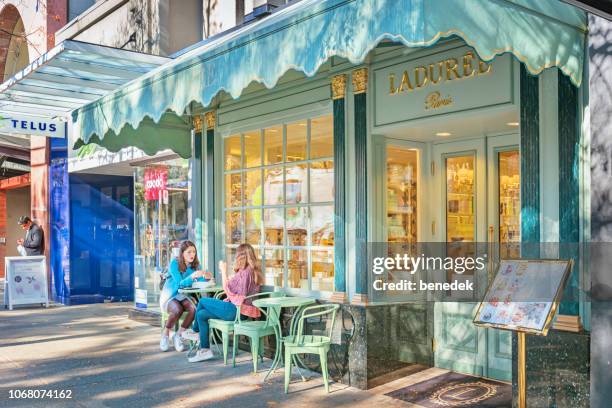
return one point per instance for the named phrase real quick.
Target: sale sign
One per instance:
(155, 179)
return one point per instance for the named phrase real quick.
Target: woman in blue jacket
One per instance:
(183, 271)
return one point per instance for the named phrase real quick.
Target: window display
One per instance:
(460, 226)
(162, 222)
(401, 195)
(279, 196)
(509, 204)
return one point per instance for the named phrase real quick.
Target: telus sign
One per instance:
(33, 126)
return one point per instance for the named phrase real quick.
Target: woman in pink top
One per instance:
(246, 281)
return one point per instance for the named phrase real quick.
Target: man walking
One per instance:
(34, 242)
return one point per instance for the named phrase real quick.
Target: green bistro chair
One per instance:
(224, 327)
(300, 343)
(255, 330)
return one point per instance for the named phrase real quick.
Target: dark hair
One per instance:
(24, 219)
(181, 260)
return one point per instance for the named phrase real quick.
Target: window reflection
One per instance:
(233, 227)
(233, 154)
(273, 186)
(296, 141)
(297, 268)
(253, 225)
(274, 226)
(297, 231)
(274, 266)
(321, 137)
(322, 219)
(322, 181)
(252, 149)
(233, 190)
(296, 186)
(267, 200)
(252, 188)
(273, 145)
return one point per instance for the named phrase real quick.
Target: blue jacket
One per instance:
(175, 281)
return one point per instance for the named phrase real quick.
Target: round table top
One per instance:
(286, 301)
(210, 289)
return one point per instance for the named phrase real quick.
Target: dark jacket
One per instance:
(34, 243)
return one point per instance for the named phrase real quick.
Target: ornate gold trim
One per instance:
(197, 123)
(338, 86)
(211, 119)
(360, 80)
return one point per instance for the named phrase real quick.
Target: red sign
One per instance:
(155, 179)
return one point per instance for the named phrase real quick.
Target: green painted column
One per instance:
(338, 96)
(210, 119)
(569, 189)
(197, 186)
(360, 81)
(530, 164)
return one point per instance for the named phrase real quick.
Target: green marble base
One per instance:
(558, 368)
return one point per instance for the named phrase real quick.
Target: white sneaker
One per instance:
(201, 355)
(164, 343)
(190, 335)
(178, 343)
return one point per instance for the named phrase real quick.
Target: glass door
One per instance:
(459, 224)
(401, 212)
(504, 234)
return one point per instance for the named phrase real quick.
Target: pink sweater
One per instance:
(241, 285)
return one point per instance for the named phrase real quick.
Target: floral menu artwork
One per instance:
(522, 294)
(27, 280)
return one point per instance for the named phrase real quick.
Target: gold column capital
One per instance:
(210, 118)
(197, 123)
(338, 86)
(360, 80)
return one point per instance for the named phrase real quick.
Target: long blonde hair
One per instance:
(245, 256)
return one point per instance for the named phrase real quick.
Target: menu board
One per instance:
(26, 280)
(524, 295)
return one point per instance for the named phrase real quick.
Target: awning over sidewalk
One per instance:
(70, 75)
(539, 33)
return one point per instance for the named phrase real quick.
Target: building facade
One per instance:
(341, 132)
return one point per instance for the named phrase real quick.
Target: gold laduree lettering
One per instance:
(468, 69)
(392, 89)
(420, 82)
(484, 68)
(431, 72)
(450, 69)
(435, 101)
(405, 84)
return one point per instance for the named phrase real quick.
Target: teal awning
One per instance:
(539, 33)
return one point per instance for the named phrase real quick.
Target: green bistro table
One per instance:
(275, 306)
(199, 292)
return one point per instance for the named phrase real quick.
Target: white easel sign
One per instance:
(26, 280)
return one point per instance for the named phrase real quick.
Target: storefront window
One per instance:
(162, 222)
(401, 195)
(509, 204)
(279, 197)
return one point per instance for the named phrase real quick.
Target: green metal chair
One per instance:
(255, 330)
(224, 327)
(300, 343)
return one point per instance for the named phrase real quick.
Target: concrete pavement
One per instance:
(107, 360)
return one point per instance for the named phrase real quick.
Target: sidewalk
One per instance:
(110, 361)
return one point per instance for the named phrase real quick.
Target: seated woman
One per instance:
(245, 282)
(182, 273)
